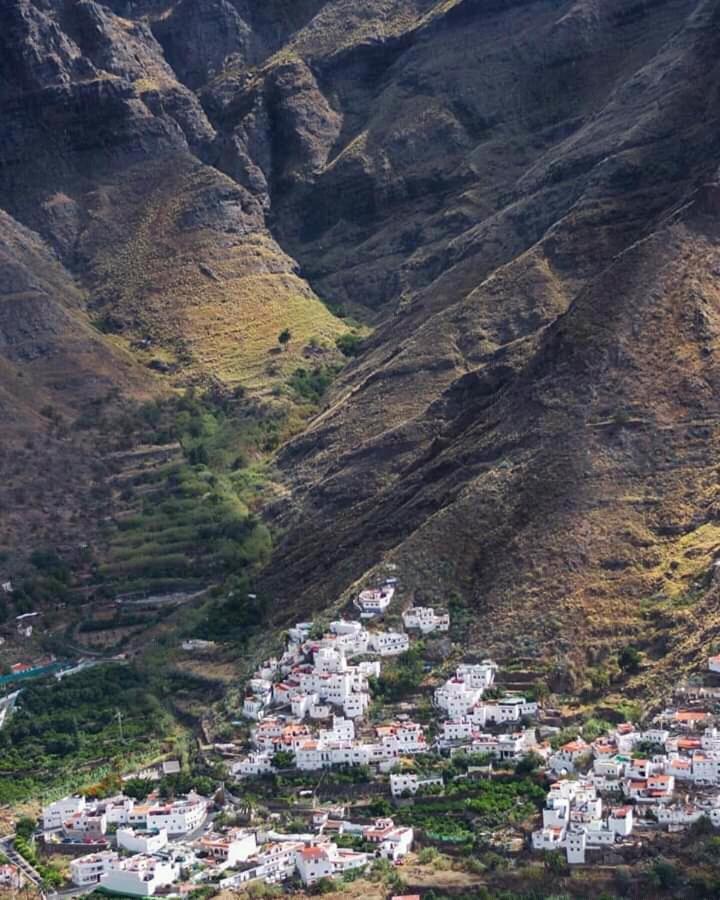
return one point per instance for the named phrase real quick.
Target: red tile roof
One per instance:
(313, 853)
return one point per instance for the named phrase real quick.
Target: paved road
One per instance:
(7, 845)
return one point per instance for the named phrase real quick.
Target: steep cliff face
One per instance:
(512, 192)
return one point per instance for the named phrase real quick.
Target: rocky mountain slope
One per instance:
(516, 194)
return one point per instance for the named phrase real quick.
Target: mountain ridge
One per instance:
(498, 189)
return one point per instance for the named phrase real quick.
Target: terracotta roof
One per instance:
(574, 746)
(313, 853)
(691, 715)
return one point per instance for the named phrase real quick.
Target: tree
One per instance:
(138, 788)
(528, 764)
(284, 338)
(380, 807)
(663, 874)
(25, 826)
(349, 344)
(198, 456)
(629, 659)
(701, 828)
(283, 759)
(555, 862)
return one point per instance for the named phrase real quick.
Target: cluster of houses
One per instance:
(145, 863)
(335, 746)
(573, 820)
(462, 700)
(667, 775)
(316, 856)
(315, 676)
(317, 681)
(81, 819)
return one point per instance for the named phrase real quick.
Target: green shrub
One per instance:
(350, 344)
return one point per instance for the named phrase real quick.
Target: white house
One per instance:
(575, 845)
(426, 619)
(410, 783)
(117, 809)
(611, 768)
(396, 843)
(508, 709)
(714, 664)
(621, 821)
(278, 860)
(478, 675)
(679, 767)
(551, 838)
(253, 764)
(658, 788)
(462, 693)
(136, 841)
(254, 707)
(457, 698)
(389, 643)
(87, 870)
(139, 876)
(342, 729)
(178, 817)
(402, 737)
(237, 846)
(89, 824)
(454, 731)
(375, 601)
(513, 746)
(324, 861)
(705, 766)
(328, 660)
(355, 704)
(678, 816)
(55, 814)
(573, 750)
(654, 736)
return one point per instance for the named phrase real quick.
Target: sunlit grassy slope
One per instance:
(182, 261)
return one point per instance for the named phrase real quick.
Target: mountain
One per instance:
(519, 197)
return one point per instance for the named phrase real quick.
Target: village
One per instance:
(310, 714)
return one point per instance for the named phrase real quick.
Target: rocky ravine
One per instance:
(512, 193)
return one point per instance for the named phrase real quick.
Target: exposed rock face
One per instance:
(521, 195)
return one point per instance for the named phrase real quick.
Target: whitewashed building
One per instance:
(375, 601)
(88, 870)
(178, 817)
(389, 643)
(136, 841)
(139, 876)
(402, 783)
(55, 814)
(326, 860)
(426, 619)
